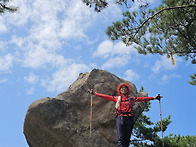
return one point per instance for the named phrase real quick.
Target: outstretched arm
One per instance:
(141, 99)
(106, 97)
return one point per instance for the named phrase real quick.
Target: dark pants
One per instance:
(124, 129)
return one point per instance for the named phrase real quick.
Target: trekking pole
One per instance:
(91, 114)
(159, 98)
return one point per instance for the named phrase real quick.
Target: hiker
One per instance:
(124, 114)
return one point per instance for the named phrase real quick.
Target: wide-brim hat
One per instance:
(123, 84)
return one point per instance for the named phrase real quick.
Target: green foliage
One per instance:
(99, 5)
(145, 131)
(180, 141)
(145, 134)
(4, 8)
(170, 28)
(193, 79)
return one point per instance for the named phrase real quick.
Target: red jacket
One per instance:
(125, 105)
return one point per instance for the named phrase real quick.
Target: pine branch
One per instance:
(157, 13)
(3, 8)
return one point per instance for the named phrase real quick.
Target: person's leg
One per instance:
(120, 132)
(129, 123)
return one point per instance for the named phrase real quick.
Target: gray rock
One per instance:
(63, 121)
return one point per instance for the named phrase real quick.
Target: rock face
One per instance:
(63, 121)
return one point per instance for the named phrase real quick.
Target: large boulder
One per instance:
(64, 121)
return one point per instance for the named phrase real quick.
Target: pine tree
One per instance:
(5, 8)
(169, 29)
(145, 133)
(99, 5)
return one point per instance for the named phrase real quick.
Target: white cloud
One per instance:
(4, 80)
(30, 91)
(41, 30)
(131, 75)
(19, 41)
(64, 77)
(165, 78)
(104, 49)
(121, 49)
(93, 65)
(22, 15)
(3, 27)
(118, 54)
(136, 5)
(77, 19)
(50, 25)
(3, 46)
(41, 58)
(118, 61)
(166, 64)
(6, 63)
(157, 66)
(108, 49)
(32, 78)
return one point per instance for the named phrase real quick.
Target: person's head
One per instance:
(124, 89)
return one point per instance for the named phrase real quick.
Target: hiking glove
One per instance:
(158, 97)
(91, 91)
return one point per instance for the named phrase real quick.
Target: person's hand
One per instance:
(91, 91)
(158, 97)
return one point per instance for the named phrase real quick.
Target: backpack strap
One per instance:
(131, 101)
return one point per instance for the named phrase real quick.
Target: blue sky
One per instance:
(46, 44)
